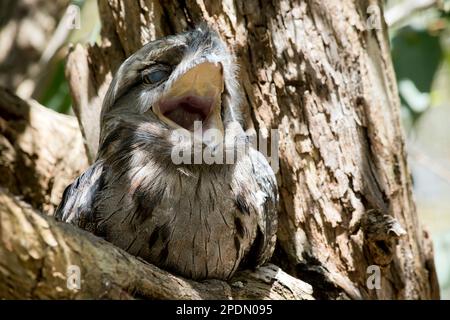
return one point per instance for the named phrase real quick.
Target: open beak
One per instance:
(194, 96)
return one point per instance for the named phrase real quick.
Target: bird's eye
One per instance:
(155, 76)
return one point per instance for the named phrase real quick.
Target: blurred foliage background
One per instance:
(419, 31)
(35, 39)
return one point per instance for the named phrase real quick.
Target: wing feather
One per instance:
(266, 196)
(78, 201)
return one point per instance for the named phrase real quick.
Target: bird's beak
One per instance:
(194, 96)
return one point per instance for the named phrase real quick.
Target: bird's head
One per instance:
(177, 80)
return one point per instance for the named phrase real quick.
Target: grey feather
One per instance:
(79, 199)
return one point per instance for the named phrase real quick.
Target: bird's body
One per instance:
(198, 220)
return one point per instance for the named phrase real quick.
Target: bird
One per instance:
(197, 220)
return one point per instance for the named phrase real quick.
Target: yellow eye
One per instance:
(156, 76)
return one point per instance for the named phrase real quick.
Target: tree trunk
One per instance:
(320, 72)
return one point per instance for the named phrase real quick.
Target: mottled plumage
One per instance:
(197, 220)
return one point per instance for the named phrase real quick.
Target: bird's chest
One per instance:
(209, 234)
(196, 228)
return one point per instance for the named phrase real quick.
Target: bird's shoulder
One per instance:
(78, 200)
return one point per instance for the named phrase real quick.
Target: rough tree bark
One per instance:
(41, 151)
(320, 72)
(312, 69)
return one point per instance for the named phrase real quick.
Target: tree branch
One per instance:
(36, 253)
(41, 151)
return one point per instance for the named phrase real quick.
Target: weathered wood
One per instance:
(41, 151)
(320, 72)
(87, 92)
(37, 255)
